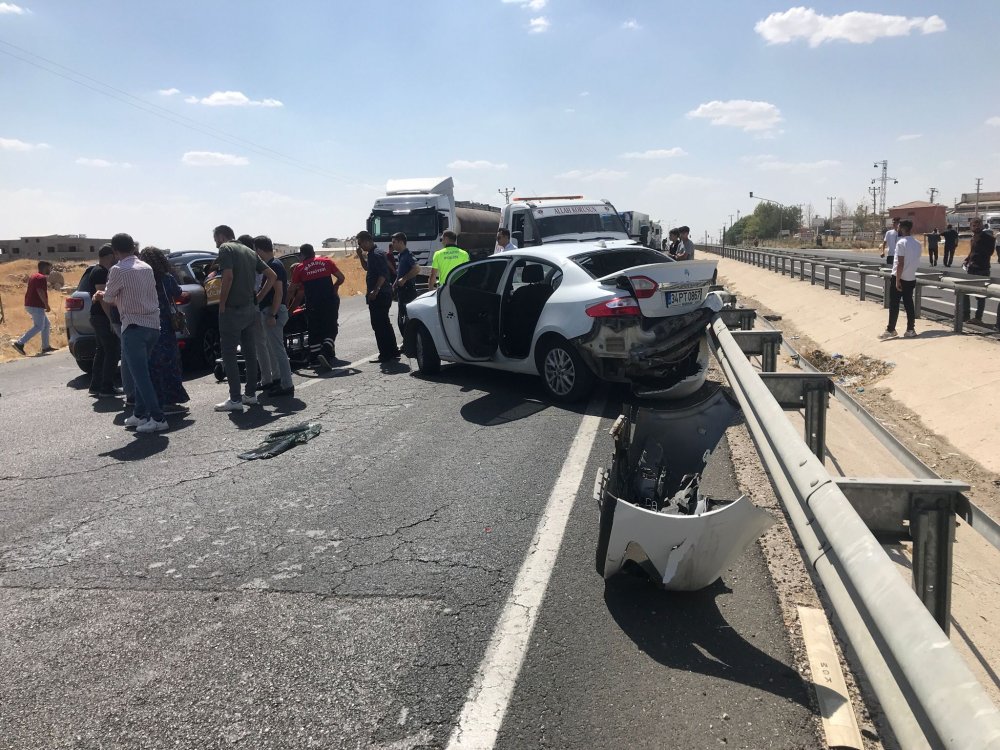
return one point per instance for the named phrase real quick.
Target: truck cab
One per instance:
(568, 218)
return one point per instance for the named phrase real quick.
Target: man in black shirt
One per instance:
(932, 246)
(108, 350)
(977, 263)
(378, 284)
(275, 369)
(950, 237)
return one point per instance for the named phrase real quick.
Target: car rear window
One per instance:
(601, 263)
(182, 273)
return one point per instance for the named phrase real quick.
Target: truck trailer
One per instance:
(422, 208)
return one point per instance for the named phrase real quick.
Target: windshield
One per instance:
(603, 263)
(597, 219)
(420, 224)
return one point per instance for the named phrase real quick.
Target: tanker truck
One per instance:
(422, 208)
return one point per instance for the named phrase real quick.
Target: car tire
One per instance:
(209, 347)
(565, 376)
(87, 365)
(426, 354)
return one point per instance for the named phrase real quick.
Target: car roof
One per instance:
(191, 254)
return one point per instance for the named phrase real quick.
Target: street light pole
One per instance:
(781, 210)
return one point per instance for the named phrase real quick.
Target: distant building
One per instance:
(925, 216)
(52, 247)
(989, 203)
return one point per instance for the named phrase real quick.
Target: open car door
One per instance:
(469, 306)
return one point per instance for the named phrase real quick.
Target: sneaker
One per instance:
(910, 334)
(229, 405)
(18, 345)
(888, 335)
(151, 425)
(249, 400)
(135, 422)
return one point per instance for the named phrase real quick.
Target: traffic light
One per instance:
(751, 193)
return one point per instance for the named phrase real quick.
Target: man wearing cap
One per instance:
(108, 351)
(447, 259)
(318, 280)
(378, 286)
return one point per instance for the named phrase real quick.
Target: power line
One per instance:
(506, 193)
(156, 110)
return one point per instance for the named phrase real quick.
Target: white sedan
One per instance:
(572, 313)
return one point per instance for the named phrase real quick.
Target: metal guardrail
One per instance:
(928, 694)
(784, 262)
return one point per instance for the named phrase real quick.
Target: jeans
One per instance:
(137, 345)
(40, 324)
(980, 302)
(271, 352)
(384, 337)
(907, 297)
(106, 356)
(236, 326)
(127, 385)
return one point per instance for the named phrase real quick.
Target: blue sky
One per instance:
(287, 118)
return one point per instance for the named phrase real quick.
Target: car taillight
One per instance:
(183, 299)
(644, 286)
(619, 307)
(74, 304)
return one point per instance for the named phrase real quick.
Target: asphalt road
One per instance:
(158, 592)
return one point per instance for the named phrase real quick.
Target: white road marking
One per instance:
(491, 692)
(314, 381)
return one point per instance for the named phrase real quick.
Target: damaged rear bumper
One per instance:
(652, 512)
(665, 357)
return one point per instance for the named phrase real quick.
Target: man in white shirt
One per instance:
(906, 259)
(504, 242)
(889, 241)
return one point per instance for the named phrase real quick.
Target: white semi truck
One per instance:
(641, 229)
(422, 208)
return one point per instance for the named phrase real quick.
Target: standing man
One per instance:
(275, 369)
(108, 352)
(932, 246)
(906, 259)
(238, 266)
(378, 286)
(36, 302)
(950, 237)
(318, 279)
(977, 263)
(504, 242)
(405, 285)
(685, 247)
(131, 288)
(447, 259)
(889, 241)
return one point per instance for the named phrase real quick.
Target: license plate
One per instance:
(685, 297)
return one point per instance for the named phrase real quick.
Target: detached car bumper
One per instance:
(666, 357)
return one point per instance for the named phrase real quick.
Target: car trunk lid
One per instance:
(666, 289)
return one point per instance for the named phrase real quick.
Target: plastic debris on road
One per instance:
(280, 441)
(653, 516)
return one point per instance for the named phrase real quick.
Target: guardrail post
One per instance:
(817, 402)
(812, 273)
(864, 286)
(886, 284)
(826, 277)
(843, 281)
(918, 296)
(802, 269)
(959, 319)
(932, 526)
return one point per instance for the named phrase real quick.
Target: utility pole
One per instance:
(832, 198)
(933, 192)
(885, 181)
(979, 184)
(506, 193)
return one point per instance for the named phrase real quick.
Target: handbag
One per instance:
(178, 319)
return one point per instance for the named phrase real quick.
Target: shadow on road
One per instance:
(140, 449)
(690, 633)
(256, 416)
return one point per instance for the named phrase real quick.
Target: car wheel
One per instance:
(87, 365)
(565, 375)
(428, 360)
(210, 346)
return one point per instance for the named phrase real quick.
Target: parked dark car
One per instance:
(199, 348)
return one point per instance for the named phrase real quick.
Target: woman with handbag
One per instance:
(165, 361)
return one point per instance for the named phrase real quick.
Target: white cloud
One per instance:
(476, 164)
(677, 180)
(740, 113)
(910, 136)
(13, 144)
(801, 167)
(168, 92)
(569, 110)
(11, 9)
(213, 159)
(655, 153)
(83, 161)
(631, 25)
(592, 175)
(538, 25)
(857, 27)
(535, 5)
(994, 121)
(584, 93)
(232, 99)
